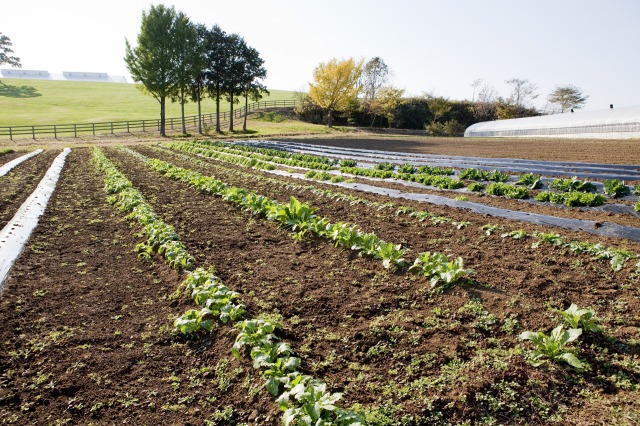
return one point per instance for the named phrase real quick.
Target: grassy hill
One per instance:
(35, 102)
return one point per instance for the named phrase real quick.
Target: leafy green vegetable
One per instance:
(529, 180)
(616, 188)
(516, 235)
(554, 346)
(490, 229)
(572, 185)
(584, 318)
(571, 199)
(475, 187)
(507, 190)
(441, 272)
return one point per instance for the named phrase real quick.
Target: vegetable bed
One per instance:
(89, 323)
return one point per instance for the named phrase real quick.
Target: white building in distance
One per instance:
(612, 123)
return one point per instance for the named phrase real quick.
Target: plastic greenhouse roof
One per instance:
(607, 122)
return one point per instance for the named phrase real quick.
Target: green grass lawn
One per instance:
(37, 102)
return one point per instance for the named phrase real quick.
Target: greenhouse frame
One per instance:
(611, 123)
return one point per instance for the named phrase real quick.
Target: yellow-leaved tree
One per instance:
(335, 85)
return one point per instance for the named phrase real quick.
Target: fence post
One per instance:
(128, 127)
(75, 131)
(143, 129)
(33, 132)
(55, 132)
(93, 127)
(111, 127)
(10, 133)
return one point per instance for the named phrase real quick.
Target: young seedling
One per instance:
(554, 346)
(584, 318)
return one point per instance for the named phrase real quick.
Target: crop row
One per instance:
(557, 346)
(270, 155)
(432, 176)
(300, 218)
(613, 188)
(302, 398)
(270, 152)
(616, 257)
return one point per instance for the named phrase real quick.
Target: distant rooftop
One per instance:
(66, 75)
(610, 123)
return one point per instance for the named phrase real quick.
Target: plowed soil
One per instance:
(87, 333)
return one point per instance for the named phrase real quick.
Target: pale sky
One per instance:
(440, 47)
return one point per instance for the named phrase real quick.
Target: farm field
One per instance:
(89, 312)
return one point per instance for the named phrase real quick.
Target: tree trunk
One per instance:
(246, 112)
(162, 119)
(231, 113)
(218, 108)
(184, 125)
(330, 119)
(199, 115)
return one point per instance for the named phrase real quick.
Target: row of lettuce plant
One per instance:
(303, 399)
(423, 178)
(271, 152)
(338, 196)
(161, 238)
(301, 219)
(293, 160)
(430, 176)
(616, 257)
(227, 158)
(612, 187)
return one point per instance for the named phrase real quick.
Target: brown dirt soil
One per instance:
(352, 322)
(87, 325)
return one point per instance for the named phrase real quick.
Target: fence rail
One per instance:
(136, 126)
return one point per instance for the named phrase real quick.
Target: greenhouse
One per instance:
(612, 123)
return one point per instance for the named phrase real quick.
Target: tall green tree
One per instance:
(252, 75)
(198, 84)
(236, 63)
(153, 61)
(216, 51)
(335, 85)
(189, 61)
(567, 97)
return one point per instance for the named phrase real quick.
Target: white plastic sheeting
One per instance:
(16, 233)
(6, 168)
(612, 123)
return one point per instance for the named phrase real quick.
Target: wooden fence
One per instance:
(136, 126)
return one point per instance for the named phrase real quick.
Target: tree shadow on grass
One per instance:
(9, 91)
